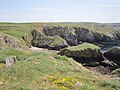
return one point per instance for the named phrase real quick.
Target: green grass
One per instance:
(11, 52)
(13, 33)
(48, 71)
(19, 29)
(83, 47)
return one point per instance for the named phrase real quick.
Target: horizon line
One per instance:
(54, 22)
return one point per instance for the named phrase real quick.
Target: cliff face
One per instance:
(76, 35)
(38, 39)
(64, 32)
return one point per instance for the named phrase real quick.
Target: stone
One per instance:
(50, 42)
(113, 55)
(10, 61)
(86, 53)
(64, 32)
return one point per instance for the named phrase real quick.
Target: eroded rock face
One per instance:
(113, 55)
(39, 39)
(9, 41)
(64, 32)
(76, 35)
(85, 53)
(50, 42)
(84, 35)
(72, 35)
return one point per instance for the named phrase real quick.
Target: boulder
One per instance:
(10, 61)
(113, 54)
(50, 42)
(86, 53)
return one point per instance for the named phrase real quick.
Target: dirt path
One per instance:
(36, 49)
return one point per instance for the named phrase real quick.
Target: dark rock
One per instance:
(87, 54)
(100, 69)
(84, 35)
(10, 61)
(50, 42)
(75, 35)
(36, 37)
(64, 32)
(113, 55)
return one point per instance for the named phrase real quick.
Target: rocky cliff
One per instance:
(76, 35)
(37, 39)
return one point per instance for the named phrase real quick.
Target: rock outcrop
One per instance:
(38, 39)
(50, 42)
(113, 55)
(76, 35)
(86, 53)
(64, 32)
(72, 35)
(84, 35)
(11, 42)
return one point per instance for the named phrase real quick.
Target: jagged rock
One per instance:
(10, 61)
(49, 42)
(86, 53)
(36, 34)
(38, 39)
(32, 37)
(84, 35)
(75, 35)
(9, 41)
(64, 32)
(113, 55)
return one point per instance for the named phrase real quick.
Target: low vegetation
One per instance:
(49, 71)
(46, 70)
(83, 47)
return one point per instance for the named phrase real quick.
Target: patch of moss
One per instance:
(57, 40)
(83, 47)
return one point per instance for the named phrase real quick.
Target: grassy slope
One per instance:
(45, 71)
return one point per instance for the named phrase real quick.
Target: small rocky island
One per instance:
(60, 56)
